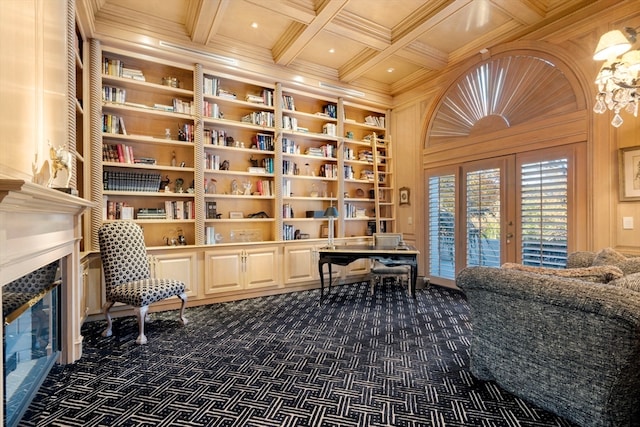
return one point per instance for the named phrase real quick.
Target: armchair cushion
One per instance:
(630, 281)
(599, 274)
(144, 292)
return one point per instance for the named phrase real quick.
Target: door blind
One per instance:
(483, 217)
(544, 213)
(442, 220)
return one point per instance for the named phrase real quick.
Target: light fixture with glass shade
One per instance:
(619, 77)
(332, 213)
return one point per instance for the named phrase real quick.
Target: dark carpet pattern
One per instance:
(357, 360)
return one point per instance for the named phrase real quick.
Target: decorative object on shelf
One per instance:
(173, 158)
(224, 166)
(167, 133)
(164, 184)
(261, 214)
(360, 193)
(404, 196)
(332, 213)
(179, 184)
(61, 159)
(211, 187)
(236, 215)
(247, 188)
(629, 173)
(171, 82)
(234, 188)
(619, 77)
(254, 162)
(181, 239)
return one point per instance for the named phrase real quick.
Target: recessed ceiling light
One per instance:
(390, 70)
(332, 50)
(254, 25)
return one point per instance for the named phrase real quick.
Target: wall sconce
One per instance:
(618, 79)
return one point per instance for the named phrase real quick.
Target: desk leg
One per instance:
(414, 278)
(320, 264)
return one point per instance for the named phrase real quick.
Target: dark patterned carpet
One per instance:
(358, 360)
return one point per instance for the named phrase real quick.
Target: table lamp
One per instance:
(331, 212)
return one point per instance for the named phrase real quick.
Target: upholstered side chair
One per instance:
(379, 271)
(128, 277)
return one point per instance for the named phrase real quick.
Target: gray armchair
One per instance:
(570, 345)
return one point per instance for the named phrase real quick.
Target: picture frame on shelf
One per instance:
(324, 231)
(629, 173)
(404, 198)
(236, 215)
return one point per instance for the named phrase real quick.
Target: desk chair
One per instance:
(379, 271)
(127, 275)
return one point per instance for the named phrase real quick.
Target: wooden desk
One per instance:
(387, 255)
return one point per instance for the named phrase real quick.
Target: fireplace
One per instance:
(40, 232)
(31, 336)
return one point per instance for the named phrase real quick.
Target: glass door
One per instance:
(517, 208)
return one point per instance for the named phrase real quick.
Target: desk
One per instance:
(387, 255)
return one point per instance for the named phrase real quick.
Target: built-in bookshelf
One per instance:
(368, 176)
(216, 158)
(148, 139)
(239, 145)
(310, 170)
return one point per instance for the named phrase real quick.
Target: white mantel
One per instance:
(39, 225)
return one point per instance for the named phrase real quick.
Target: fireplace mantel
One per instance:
(39, 225)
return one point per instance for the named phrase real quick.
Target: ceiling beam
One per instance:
(402, 35)
(298, 35)
(523, 11)
(204, 19)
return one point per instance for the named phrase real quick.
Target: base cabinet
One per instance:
(240, 269)
(179, 266)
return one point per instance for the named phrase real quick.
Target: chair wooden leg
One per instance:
(183, 297)
(105, 310)
(141, 314)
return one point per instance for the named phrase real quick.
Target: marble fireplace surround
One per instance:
(39, 225)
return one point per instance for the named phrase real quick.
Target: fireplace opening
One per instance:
(31, 340)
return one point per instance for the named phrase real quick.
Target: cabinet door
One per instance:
(260, 267)
(358, 267)
(223, 271)
(300, 264)
(179, 266)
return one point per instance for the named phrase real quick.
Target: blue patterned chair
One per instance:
(127, 275)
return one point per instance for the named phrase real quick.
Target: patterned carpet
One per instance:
(358, 360)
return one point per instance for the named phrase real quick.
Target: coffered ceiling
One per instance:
(385, 45)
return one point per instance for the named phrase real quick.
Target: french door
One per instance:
(516, 208)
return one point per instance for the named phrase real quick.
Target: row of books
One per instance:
(118, 210)
(265, 98)
(122, 153)
(131, 181)
(288, 103)
(115, 67)
(180, 209)
(351, 210)
(375, 121)
(264, 187)
(326, 150)
(260, 118)
(114, 94)
(113, 124)
(263, 142)
(289, 232)
(211, 109)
